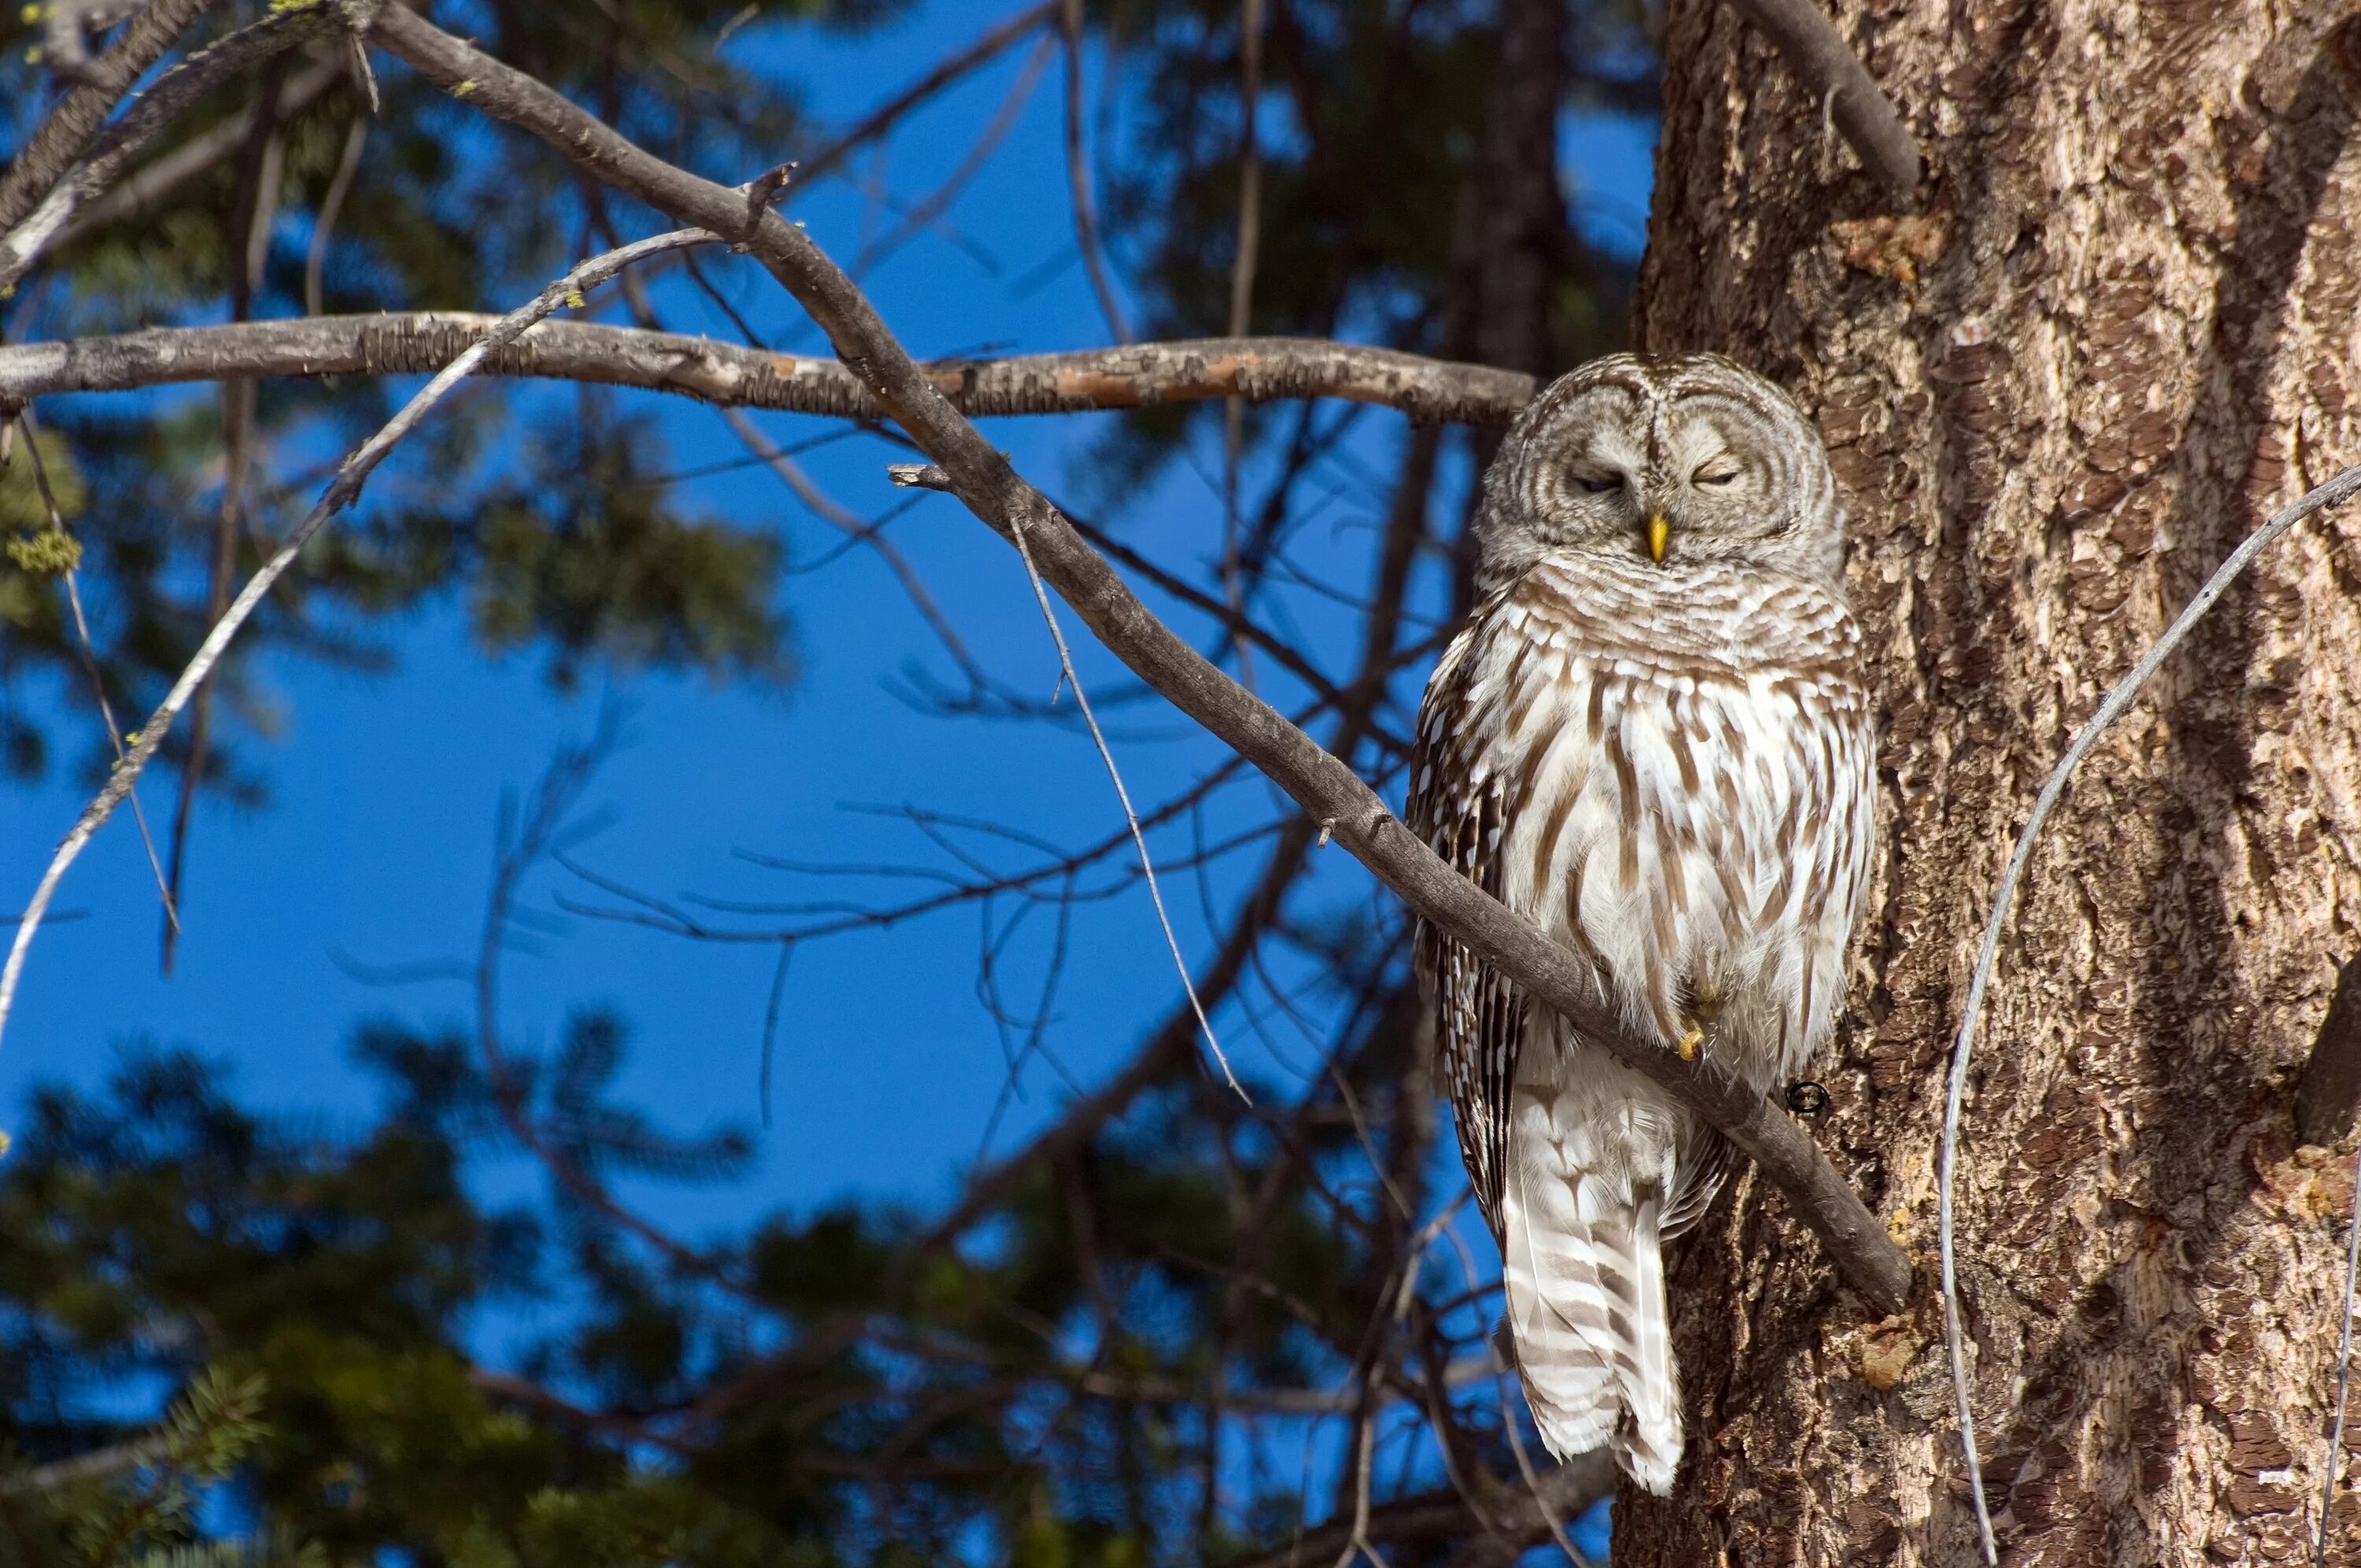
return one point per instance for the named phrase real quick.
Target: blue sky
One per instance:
(376, 848)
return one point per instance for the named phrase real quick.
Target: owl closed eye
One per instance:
(1674, 462)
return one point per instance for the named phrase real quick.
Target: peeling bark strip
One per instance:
(1329, 791)
(2125, 341)
(1260, 369)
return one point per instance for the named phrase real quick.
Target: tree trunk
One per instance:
(2124, 333)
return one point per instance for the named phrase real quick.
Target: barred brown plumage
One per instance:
(1654, 738)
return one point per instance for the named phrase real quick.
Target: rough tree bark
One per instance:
(2124, 331)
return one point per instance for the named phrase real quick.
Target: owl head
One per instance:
(1666, 463)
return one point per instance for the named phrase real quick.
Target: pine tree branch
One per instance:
(1260, 370)
(1328, 790)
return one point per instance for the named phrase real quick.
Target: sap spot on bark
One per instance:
(1894, 247)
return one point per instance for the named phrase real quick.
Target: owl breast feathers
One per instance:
(1653, 738)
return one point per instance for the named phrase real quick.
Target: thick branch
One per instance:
(1329, 791)
(1257, 368)
(1814, 52)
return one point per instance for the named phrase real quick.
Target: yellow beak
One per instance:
(1659, 531)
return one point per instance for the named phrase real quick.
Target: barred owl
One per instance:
(1653, 739)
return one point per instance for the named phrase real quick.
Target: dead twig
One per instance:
(89, 650)
(332, 204)
(143, 190)
(2112, 708)
(1072, 677)
(1244, 248)
(1078, 176)
(986, 47)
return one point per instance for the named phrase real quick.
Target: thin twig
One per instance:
(248, 242)
(1140, 839)
(57, 145)
(90, 660)
(1078, 176)
(323, 226)
(922, 215)
(952, 68)
(1987, 956)
(857, 530)
(24, 235)
(341, 492)
(170, 171)
(1247, 247)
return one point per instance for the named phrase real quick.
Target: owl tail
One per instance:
(1585, 1281)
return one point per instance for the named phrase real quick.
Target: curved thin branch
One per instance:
(1814, 50)
(1331, 794)
(1078, 176)
(986, 47)
(1988, 955)
(1260, 370)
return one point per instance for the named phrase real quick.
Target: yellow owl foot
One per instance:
(1690, 1042)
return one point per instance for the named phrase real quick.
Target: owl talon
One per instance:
(1689, 1044)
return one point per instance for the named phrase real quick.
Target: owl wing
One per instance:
(1460, 809)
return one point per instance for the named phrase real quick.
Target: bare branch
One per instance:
(341, 492)
(1078, 176)
(56, 143)
(1072, 677)
(156, 181)
(26, 232)
(1814, 50)
(324, 225)
(986, 47)
(1988, 956)
(89, 650)
(1328, 790)
(1260, 370)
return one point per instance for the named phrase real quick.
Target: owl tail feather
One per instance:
(1584, 1283)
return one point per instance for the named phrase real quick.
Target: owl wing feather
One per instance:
(1461, 810)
